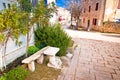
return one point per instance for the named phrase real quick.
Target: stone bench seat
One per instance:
(30, 60)
(54, 61)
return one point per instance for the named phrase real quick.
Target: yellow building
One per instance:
(95, 12)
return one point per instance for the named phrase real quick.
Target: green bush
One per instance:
(19, 73)
(2, 78)
(32, 50)
(52, 36)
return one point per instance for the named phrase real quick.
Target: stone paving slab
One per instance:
(94, 60)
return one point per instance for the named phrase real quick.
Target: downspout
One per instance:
(103, 12)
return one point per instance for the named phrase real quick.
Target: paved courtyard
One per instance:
(93, 60)
(97, 57)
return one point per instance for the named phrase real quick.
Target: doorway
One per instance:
(88, 25)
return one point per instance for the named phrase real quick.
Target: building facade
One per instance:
(95, 12)
(7, 3)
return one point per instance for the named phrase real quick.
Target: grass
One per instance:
(43, 72)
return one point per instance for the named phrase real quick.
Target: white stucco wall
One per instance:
(14, 51)
(50, 1)
(6, 3)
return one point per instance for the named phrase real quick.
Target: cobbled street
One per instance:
(94, 60)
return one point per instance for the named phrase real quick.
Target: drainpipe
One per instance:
(103, 12)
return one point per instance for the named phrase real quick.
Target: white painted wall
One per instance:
(6, 3)
(50, 1)
(14, 51)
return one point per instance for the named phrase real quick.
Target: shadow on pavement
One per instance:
(112, 35)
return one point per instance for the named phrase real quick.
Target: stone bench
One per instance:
(30, 60)
(54, 61)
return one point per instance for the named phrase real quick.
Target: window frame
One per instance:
(89, 9)
(97, 6)
(4, 5)
(9, 5)
(95, 21)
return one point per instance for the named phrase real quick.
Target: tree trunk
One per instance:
(28, 41)
(71, 19)
(26, 55)
(4, 48)
(4, 53)
(1, 56)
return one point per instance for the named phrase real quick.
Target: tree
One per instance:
(75, 7)
(10, 27)
(44, 12)
(25, 5)
(39, 14)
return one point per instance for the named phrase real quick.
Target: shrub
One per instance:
(32, 50)
(71, 43)
(52, 36)
(2, 78)
(19, 73)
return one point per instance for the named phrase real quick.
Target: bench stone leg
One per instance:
(40, 59)
(31, 66)
(54, 62)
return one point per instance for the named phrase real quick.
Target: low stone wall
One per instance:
(108, 27)
(111, 27)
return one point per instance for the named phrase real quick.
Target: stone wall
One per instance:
(91, 13)
(107, 11)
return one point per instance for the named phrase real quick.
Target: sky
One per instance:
(61, 3)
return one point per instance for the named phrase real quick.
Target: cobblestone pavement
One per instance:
(93, 60)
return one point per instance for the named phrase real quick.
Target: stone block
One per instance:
(40, 59)
(31, 66)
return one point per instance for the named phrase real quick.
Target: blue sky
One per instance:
(61, 3)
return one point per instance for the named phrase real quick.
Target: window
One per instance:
(89, 8)
(84, 10)
(119, 4)
(8, 5)
(96, 8)
(83, 20)
(4, 5)
(34, 3)
(94, 21)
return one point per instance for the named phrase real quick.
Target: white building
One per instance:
(50, 1)
(6, 3)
